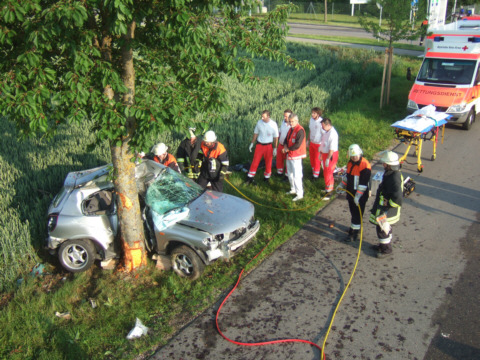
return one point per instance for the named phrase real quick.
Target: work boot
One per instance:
(382, 255)
(285, 179)
(249, 181)
(355, 235)
(266, 180)
(375, 248)
(349, 236)
(385, 251)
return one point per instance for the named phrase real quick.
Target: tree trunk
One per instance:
(131, 225)
(389, 75)
(325, 17)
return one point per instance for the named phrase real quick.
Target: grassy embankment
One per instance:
(345, 83)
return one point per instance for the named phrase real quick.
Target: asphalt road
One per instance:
(422, 303)
(326, 30)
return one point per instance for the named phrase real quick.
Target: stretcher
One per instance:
(417, 128)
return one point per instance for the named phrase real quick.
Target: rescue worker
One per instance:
(388, 201)
(282, 134)
(423, 29)
(315, 137)
(189, 155)
(161, 156)
(215, 162)
(356, 183)
(296, 149)
(328, 154)
(265, 134)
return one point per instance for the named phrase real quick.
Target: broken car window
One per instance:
(171, 190)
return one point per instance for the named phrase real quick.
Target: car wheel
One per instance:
(77, 255)
(470, 120)
(186, 262)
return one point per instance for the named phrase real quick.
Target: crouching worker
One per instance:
(161, 156)
(388, 203)
(215, 162)
(356, 183)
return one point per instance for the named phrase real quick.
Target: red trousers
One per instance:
(281, 157)
(328, 171)
(265, 151)
(315, 162)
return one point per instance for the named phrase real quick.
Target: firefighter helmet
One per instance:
(354, 150)
(159, 149)
(389, 158)
(210, 136)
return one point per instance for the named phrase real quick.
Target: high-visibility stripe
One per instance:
(385, 241)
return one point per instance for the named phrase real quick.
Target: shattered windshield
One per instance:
(170, 190)
(447, 71)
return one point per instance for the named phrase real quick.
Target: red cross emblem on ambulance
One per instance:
(465, 48)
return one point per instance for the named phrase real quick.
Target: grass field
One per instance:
(345, 83)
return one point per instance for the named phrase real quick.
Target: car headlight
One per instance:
(412, 104)
(457, 108)
(209, 241)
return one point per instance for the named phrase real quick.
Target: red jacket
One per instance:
(295, 141)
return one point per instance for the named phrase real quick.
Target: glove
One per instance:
(250, 147)
(327, 162)
(274, 152)
(190, 175)
(357, 197)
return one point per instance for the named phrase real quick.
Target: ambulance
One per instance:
(449, 77)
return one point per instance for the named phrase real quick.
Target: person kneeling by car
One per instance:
(215, 162)
(388, 203)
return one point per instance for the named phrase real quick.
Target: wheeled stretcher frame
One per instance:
(414, 137)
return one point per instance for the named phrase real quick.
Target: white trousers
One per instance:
(295, 176)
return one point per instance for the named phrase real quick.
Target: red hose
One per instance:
(262, 342)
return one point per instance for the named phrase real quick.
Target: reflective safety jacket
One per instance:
(295, 141)
(189, 157)
(389, 197)
(169, 161)
(215, 162)
(358, 176)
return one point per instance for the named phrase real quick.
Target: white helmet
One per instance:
(159, 149)
(389, 158)
(210, 136)
(354, 150)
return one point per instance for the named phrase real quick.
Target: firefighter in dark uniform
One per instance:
(161, 156)
(388, 201)
(356, 183)
(215, 162)
(189, 155)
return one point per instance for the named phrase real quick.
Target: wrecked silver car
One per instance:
(191, 225)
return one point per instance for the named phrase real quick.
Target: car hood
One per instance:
(218, 213)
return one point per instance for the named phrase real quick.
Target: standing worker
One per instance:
(265, 133)
(387, 202)
(215, 162)
(189, 155)
(296, 149)
(423, 29)
(315, 127)
(328, 154)
(356, 183)
(161, 156)
(281, 156)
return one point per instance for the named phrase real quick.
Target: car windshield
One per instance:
(447, 71)
(170, 190)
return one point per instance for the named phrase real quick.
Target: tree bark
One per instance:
(389, 75)
(325, 16)
(131, 225)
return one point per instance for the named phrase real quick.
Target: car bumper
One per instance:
(228, 249)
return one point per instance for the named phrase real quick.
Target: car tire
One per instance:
(77, 255)
(186, 263)
(467, 125)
